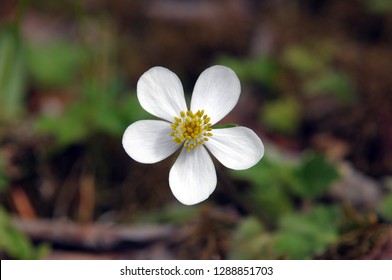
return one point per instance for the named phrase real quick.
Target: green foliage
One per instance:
(3, 177)
(303, 235)
(385, 207)
(314, 67)
(15, 244)
(334, 82)
(250, 241)
(99, 110)
(228, 125)
(313, 176)
(268, 186)
(299, 236)
(276, 182)
(261, 69)
(277, 186)
(130, 110)
(54, 64)
(378, 6)
(12, 74)
(303, 61)
(282, 115)
(66, 128)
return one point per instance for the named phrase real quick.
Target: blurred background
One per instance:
(316, 87)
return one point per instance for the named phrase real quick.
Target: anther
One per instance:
(191, 129)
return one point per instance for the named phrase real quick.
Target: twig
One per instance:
(97, 237)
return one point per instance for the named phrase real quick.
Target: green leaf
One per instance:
(12, 74)
(15, 244)
(303, 60)
(3, 177)
(250, 241)
(268, 186)
(130, 110)
(313, 177)
(108, 122)
(228, 125)
(331, 82)
(54, 64)
(250, 228)
(261, 69)
(302, 236)
(282, 115)
(68, 128)
(385, 208)
(379, 6)
(108, 111)
(100, 111)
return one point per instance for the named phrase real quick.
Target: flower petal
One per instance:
(193, 178)
(216, 91)
(148, 141)
(161, 94)
(236, 147)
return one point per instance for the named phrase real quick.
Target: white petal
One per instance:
(236, 147)
(148, 141)
(161, 94)
(193, 178)
(216, 92)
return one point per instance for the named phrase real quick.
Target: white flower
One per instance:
(192, 178)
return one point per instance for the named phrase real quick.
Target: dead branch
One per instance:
(92, 236)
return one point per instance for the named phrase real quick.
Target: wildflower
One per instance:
(192, 178)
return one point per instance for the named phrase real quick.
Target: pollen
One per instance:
(191, 129)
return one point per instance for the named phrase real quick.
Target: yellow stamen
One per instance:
(191, 129)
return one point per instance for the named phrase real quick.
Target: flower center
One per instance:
(192, 129)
